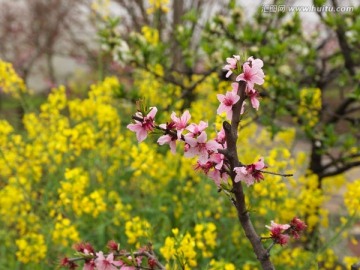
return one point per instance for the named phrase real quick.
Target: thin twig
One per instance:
(279, 174)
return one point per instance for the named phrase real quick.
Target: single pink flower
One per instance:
(112, 245)
(218, 173)
(195, 130)
(217, 159)
(107, 263)
(227, 101)
(218, 176)
(250, 173)
(232, 64)
(253, 95)
(277, 232)
(142, 128)
(200, 147)
(252, 72)
(221, 137)
(85, 248)
(180, 122)
(297, 226)
(213, 168)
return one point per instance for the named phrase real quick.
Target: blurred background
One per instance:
(110, 53)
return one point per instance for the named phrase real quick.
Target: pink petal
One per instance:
(255, 102)
(202, 125)
(257, 63)
(134, 127)
(190, 140)
(164, 139)
(240, 77)
(223, 108)
(229, 115)
(258, 79)
(185, 117)
(174, 118)
(191, 152)
(153, 112)
(178, 133)
(172, 145)
(202, 137)
(141, 135)
(235, 87)
(212, 145)
(203, 156)
(220, 97)
(259, 165)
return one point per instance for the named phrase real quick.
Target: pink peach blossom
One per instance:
(200, 147)
(277, 232)
(252, 72)
(195, 130)
(213, 168)
(180, 122)
(253, 95)
(297, 226)
(142, 128)
(232, 64)
(250, 173)
(228, 101)
(221, 137)
(218, 176)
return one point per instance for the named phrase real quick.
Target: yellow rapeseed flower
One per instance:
(10, 82)
(158, 5)
(351, 197)
(31, 248)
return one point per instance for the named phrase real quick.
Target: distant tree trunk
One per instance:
(178, 9)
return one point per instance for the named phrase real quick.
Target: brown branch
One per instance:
(147, 254)
(193, 86)
(352, 110)
(340, 110)
(353, 121)
(231, 132)
(344, 46)
(346, 167)
(279, 174)
(339, 160)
